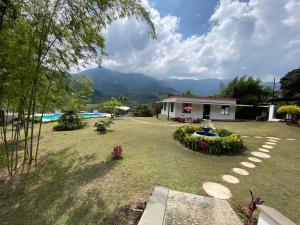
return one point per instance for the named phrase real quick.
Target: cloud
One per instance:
(260, 38)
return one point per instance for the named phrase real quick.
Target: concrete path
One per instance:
(168, 207)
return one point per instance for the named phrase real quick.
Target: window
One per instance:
(186, 107)
(172, 106)
(165, 106)
(224, 110)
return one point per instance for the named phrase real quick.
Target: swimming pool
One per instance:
(53, 116)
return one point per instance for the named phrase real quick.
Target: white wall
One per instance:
(215, 113)
(197, 112)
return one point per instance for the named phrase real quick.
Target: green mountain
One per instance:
(137, 87)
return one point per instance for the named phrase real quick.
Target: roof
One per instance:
(125, 108)
(200, 97)
(200, 100)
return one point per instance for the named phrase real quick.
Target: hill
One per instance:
(139, 88)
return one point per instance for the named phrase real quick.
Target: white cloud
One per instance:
(260, 38)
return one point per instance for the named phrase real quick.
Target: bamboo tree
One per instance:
(48, 35)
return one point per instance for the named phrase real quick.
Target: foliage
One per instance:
(102, 125)
(290, 109)
(109, 105)
(69, 120)
(188, 93)
(117, 152)
(290, 83)
(40, 42)
(293, 110)
(247, 90)
(223, 132)
(226, 143)
(254, 202)
(143, 111)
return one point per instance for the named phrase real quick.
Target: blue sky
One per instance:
(194, 14)
(199, 39)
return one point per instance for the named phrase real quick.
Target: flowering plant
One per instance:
(117, 152)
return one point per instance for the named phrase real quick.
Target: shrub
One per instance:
(143, 111)
(69, 120)
(226, 143)
(102, 125)
(117, 152)
(254, 202)
(223, 132)
(293, 110)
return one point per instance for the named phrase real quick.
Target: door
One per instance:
(206, 111)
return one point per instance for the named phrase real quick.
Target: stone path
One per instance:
(217, 190)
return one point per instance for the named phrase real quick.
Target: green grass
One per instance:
(76, 181)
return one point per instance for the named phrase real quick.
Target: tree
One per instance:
(45, 39)
(188, 93)
(246, 89)
(290, 83)
(109, 105)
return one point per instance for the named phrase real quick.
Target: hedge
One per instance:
(227, 142)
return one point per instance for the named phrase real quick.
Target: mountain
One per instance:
(202, 87)
(139, 88)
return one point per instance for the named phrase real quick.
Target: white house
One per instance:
(194, 107)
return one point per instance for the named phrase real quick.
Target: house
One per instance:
(194, 107)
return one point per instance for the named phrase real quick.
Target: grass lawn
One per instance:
(77, 183)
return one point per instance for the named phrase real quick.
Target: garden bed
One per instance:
(225, 143)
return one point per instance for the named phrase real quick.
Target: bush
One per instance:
(143, 111)
(223, 132)
(69, 120)
(226, 143)
(292, 110)
(117, 152)
(102, 125)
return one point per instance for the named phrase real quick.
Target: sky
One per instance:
(199, 39)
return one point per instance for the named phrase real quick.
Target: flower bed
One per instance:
(226, 143)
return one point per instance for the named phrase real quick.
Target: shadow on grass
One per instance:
(51, 193)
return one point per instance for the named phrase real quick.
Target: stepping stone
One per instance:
(261, 155)
(230, 179)
(216, 190)
(267, 146)
(270, 143)
(290, 139)
(263, 150)
(247, 164)
(257, 136)
(253, 159)
(274, 138)
(245, 136)
(241, 171)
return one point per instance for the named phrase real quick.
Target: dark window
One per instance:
(165, 105)
(224, 110)
(172, 106)
(186, 107)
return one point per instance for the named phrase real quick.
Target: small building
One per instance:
(194, 107)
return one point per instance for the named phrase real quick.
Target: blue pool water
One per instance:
(53, 117)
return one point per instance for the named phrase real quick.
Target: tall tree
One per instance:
(247, 89)
(290, 83)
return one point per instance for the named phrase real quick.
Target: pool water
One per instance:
(53, 117)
